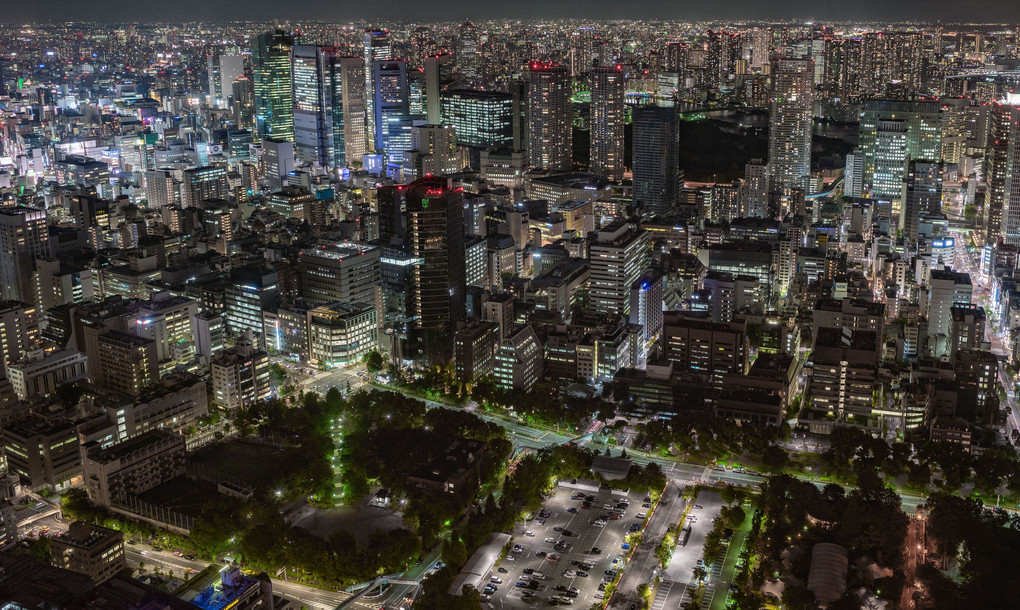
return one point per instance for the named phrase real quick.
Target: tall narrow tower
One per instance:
(607, 116)
(790, 123)
(550, 126)
(274, 96)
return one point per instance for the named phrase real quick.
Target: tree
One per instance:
(774, 459)
(699, 573)
(278, 373)
(970, 212)
(374, 361)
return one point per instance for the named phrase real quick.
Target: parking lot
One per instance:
(571, 572)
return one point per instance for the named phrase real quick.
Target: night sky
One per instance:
(1001, 11)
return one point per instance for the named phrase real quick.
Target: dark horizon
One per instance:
(998, 12)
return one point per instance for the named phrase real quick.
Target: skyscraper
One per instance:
(469, 57)
(482, 119)
(656, 151)
(377, 48)
(1003, 170)
(435, 227)
(390, 104)
(922, 193)
(607, 118)
(550, 126)
(891, 133)
(223, 71)
(618, 257)
(274, 95)
(438, 77)
(754, 192)
(790, 123)
(329, 106)
(23, 238)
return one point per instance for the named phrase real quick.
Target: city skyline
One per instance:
(916, 11)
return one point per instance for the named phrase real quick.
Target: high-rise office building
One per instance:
(790, 123)
(438, 77)
(549, 125)
(23, 238)
(377, 48)
(274, 95)
(1002, 171)
(922, 193)
(754, 192)
(607, 119)
(345, 272)
(481, 119)
(435, 227)
(277, 161)
(469, 56)
(656, 152)
(390, 105)
(890, 133)
(250, 291)
(618, 257)
(329, 107)
(202, 183)
(223, 71)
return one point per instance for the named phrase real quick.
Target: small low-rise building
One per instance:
(132, 466)
(95, 551)
(453, 470)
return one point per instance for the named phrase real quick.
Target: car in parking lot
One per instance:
(552, 557)
(529, 533)
(568, 533)
(501, 570)
(511, 558)
(582, 574)
(496, 580)
(518, 548)
(540, 553)
(550, 540)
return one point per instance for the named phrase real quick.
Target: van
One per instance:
(537, 575)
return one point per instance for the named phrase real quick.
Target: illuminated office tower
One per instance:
(438, 77)
(23, 238)
(435, 229)
(790, 123)
(890, 134)
(1003, 168)
(377, 48)
(204, 183)
(223, 71)
(922, 193)
(469, 56)
(550, 127)
(390, 104)
(607, 118)
(349, 108)
(618, 257)
(329, 106)
(481, 119)
(656, 158)
(274, 95)
(313, 128)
